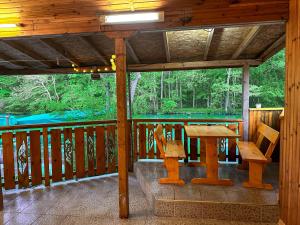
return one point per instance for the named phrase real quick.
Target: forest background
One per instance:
(211, 91)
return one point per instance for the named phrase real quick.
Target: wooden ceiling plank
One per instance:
(208, 43)
(246, 42)
(167, 46)
(132, 53)
(60, 49)
(273, 49)
(31, 54)
(95, 48)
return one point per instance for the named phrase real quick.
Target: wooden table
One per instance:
(211, 134)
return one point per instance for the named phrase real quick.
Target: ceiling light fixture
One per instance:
(131, 18)
(8, 25)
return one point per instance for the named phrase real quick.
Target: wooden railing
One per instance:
(144, 145)
(36, 154)
(269, 116)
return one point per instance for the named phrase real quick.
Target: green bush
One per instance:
(168, 106)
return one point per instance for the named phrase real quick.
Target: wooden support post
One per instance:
(289, 175)
(122, 123)
(120, 50)
(246, 76)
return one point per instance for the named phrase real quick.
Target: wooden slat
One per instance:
(202, 150)
(8, 160)
(68, 153)
(193, 148)
(100, 151)
(142, 141)
(232, 144)
(150, 141)
(178, 132)
(90, 151)
(79, 152)
(35, 156)
(22, 159)
(46, 157)
(56, 155)
(135, 144)
(111, 149)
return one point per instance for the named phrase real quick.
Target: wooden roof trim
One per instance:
(66, 19)
(167, 46)
(59, 49)
(95, 48)
(145, 67)
(31, 54)
(132, 53)
(273, 49)
(208, 43)
(245, 43)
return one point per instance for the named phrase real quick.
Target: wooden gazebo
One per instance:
(63, 36)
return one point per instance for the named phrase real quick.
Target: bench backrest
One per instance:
(269, 133)
(160, 139)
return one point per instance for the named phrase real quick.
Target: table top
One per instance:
(195, 131)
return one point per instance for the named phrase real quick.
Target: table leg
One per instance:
(212, 165)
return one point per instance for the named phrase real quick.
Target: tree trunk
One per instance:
(229, 71)
(107, 106)
(161, 88)
(134, 84)
(169, 84)
(54, 86)
(180, 93)
(194, 96)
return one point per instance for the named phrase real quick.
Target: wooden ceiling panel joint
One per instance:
(208, 43)
(246, 42)
(273, 48)
(132, 52)
(167, 46)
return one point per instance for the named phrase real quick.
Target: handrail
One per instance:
(266, 109)
(187, 120)
(32, 126)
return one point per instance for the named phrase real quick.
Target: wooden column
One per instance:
(122, 123)
(120, 50)
(290, 157)
(246, 101)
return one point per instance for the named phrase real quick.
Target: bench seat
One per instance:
(249, 152)
(174, 149)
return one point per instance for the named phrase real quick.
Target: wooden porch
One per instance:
(37, 43)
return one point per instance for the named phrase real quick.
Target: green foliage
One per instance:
(208, 91)
(168, 106)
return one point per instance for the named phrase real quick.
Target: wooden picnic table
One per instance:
(211, 134)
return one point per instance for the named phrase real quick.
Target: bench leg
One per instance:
(255, 177)
(172, 166)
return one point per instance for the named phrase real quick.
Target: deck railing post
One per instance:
(246, 101)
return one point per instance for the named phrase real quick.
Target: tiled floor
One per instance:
(208, 201)
(87, 202)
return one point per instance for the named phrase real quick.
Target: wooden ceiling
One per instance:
(146, 51)
(195, 34)
(46, 17)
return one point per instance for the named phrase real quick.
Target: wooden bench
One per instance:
(250, 152)
(171, 152)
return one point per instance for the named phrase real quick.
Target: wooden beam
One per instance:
(132, 53)
(273, 49)
(246, 95)
(31, 54)
(95, 48)
(192, 65)
(167, 47)
(145, 67)
(120, 50)
(12, 61)
(208, 43)
(59, 49)
(245, 43)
